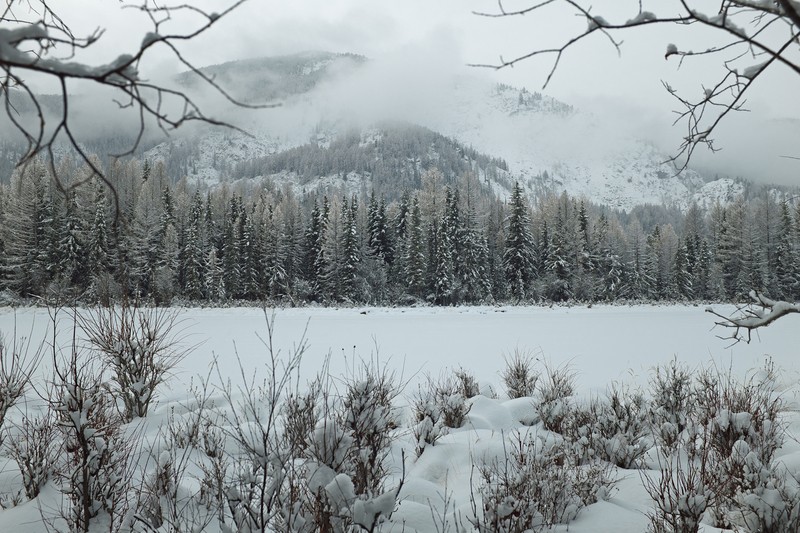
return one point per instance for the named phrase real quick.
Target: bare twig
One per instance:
(760, 313)
(740, 27)
(39, 41)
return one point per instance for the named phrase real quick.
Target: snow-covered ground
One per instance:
(603, 344)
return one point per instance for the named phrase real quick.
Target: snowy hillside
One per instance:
(549, 145)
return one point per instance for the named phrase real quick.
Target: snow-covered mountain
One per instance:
(545, 144)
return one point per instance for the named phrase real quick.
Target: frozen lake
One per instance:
(603, 343)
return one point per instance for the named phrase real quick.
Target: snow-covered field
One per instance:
(604, 345)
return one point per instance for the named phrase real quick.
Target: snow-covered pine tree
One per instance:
(316, 262)
(729, 225)
(752, 260)
(194, 252)
(274, 253)
(378, 238)
(518, 257)
(786, 278)
(72, 266)
(471, 262)
(681, 277)
(230, 249)
(250, 256)
(414, 257)
(444, 249)
(26, 230)
(350, 249)
(98, 245)
(559, 265)
(495, 247)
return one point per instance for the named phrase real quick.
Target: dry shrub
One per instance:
(520, 375)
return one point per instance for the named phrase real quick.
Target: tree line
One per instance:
(450, 242)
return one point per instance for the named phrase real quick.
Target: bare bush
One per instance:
(519, 375)
(744, 430)
(536, 485)
(614, 428)
(747, 410)
(16, 368)
(682, 490)
(555, 392)
(255, 489)
(95, 473)
(367, 416)
(140, 346)
(671, 400)
(468, 385)
(32, 444)
(428, 422)
(301, 412)
(165, 503)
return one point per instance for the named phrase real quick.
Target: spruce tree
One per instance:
(785, 258)
(518, 257)
(414, 258)
(443, 279)
(194, 253)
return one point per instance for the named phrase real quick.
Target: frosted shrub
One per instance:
(682, 491)
(555, 392)
(184, 431)
(738, 416)
(255, 488)
(613, 428)
(32, 445)
(16, 366)
(438, 406)
(367, 416)
(468, 385)
(671, 397)
(301, 412)
(94, 474)
(771, 502)
(624, 422)
(165, 504)
(140, 346)
(537, 485)
(737, 411)
(520, 375)
(428, 422)
(339, 484)
(450, 400)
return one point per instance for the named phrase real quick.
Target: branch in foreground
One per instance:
(759, 314)
(765, 32)
(37, 41)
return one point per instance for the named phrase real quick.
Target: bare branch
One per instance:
(759, 314)
(741, 27)
(41, 42)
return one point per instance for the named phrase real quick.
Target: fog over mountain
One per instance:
(595, 149)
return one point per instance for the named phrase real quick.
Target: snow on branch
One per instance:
(760, 313)
(740, 29)
(34, 39)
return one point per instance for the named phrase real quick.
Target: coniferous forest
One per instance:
(450, 242)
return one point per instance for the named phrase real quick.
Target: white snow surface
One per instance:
(604, 344)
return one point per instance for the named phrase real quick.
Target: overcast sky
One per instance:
(592, 76)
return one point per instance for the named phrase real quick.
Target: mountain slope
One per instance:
(547, 145)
